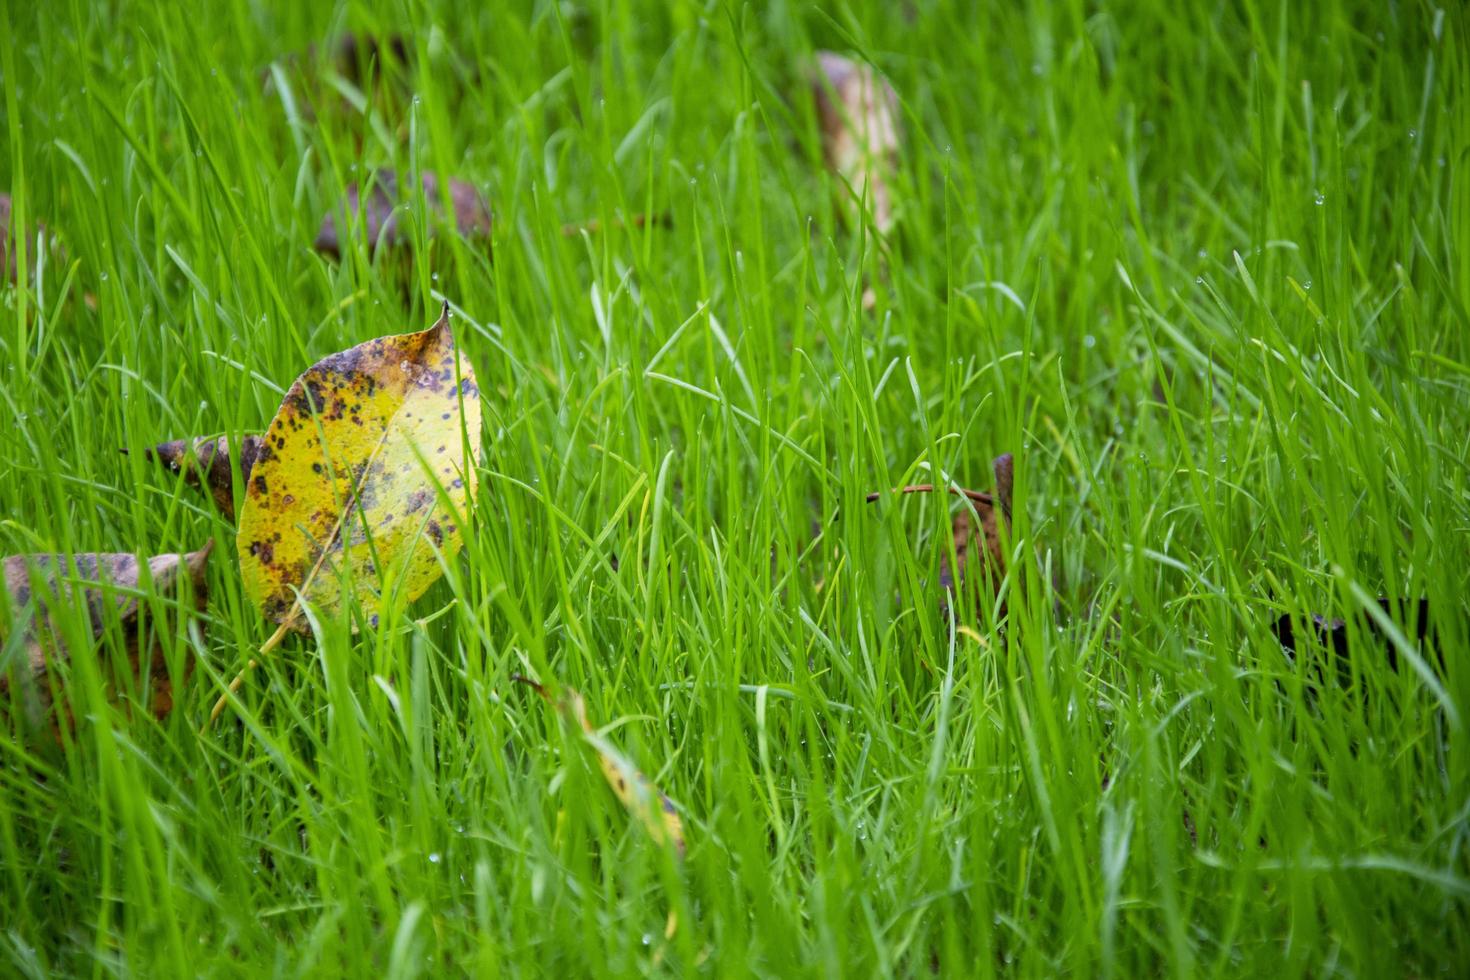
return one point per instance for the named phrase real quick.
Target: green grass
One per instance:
(1205, 272)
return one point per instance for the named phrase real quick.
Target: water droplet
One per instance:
(1089, 341)
(1202, 254)
(1319, 197)
(1413, 135)
(1307, 284)
(104, 277)
(433, 857)
(434, 276)
(648, 939)
(1199, 280)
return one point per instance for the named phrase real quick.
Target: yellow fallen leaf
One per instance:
(644, 800)
(363, 466)
(361, 479)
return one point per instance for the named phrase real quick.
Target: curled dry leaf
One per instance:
(205, 464)
(39, 590)
(978, 551)
(363, 469)
(858, 111)
(380, 211)
(644, 800)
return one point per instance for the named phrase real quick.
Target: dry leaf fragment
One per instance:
(380, 212)
(206, 465)
(1332, 634)
(858, 111)
(645, 801)
(110, 584)
(360, 55)
(978, 551)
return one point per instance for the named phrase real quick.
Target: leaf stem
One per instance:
(273, 641)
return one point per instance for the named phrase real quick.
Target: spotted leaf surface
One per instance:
(362, 478)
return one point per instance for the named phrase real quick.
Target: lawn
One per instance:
(1203, 269)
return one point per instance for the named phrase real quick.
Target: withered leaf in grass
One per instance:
(205, 464)
(363, 468)
(359, 55)
(1331, 635)
(644, 800)
(858, 111)
(40, 590)
(978, 551)
(380, 205)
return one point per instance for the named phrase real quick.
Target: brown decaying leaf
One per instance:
(644, 800)
(206, 465)
(978, 551)
(1332, 634)
(108, 582)
(358, 55)
(355, 57)
(381, 212)
(858, 111)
